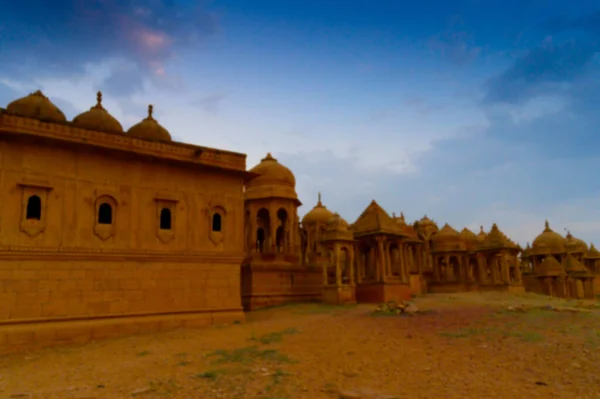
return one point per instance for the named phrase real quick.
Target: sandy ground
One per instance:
(469, 346)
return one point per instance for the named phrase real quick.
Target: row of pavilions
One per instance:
(447, 260)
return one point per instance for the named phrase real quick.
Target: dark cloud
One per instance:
(56, 38)
(540, 71)
(564, 55)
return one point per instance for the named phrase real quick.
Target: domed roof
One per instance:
(337, 230)
(496, 239)
(526, 252)
(408, 230)
(471, 239)
(481, 233)
(574, 266)
(548, 242)
(97, 118)
(550, 267)
(36, 106)
(447, 232)
(426, 227)
(274, 180)
(319, 214)
(593, 253)
(575, 245)
(426, 222)
(337, 223)
(448, 239)
(149, 129)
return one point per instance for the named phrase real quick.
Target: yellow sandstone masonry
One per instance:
(106, 232)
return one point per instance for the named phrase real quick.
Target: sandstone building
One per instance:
(105, 232)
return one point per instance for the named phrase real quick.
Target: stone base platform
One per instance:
(338, 295)
(379, 292)
(18, 337)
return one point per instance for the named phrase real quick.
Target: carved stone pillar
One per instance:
(338, 270)
(325, 277)
(252, 238)
(351, 263)
(436, 268)
(381, 260)
(388, 260)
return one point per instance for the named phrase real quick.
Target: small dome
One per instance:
(573, 265)
(448, 239)
(446, 233)
(575, 245)
(149, 129)
(426, 227)
(97, 118)
(36, 106)
(496, 239)
(526, 252)
(407, 229)
(481, 233)
(274, 180)
(337, 223)
(550, 267)
(548, 242)
(426, 222)
(593, 253)
(319, 214)
(471, 239)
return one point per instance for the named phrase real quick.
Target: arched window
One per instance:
(34, 208)
(216, 222)
(165, 219)
(260, 239)
(105, 214)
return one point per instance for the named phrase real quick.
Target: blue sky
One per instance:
(471, 112)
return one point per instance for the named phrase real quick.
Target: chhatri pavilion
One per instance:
(132, 231)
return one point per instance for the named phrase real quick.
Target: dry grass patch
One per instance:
(273, 337)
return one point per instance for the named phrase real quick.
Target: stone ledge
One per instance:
(33, 336)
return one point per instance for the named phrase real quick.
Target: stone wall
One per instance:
(269, 285)
(54, 295)
(66, 277)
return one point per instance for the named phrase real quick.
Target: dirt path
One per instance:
(469, 347)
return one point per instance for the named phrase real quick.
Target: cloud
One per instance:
(567, 52)
(518, 194)
(65, 35)
(210, 103)
(454, 46)
(535, 155)
(544, 69)
(7, 94)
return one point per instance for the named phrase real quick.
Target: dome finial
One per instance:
(150, 111)
(99, 98)
(481, 229)
(319, 199)
(394, 215)
(402, 215)
(547, 225)
(269, 157)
